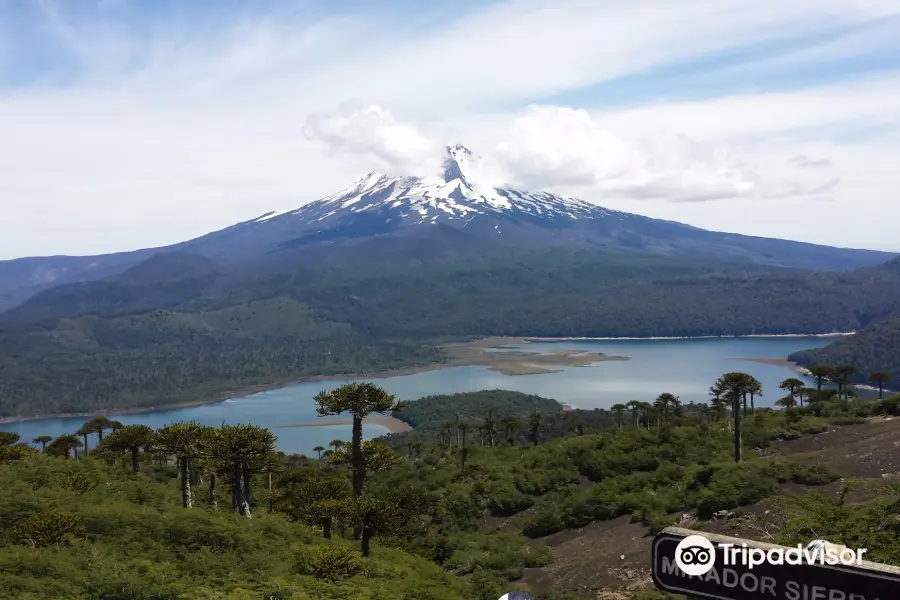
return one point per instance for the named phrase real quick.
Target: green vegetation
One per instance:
(164, 357)
(873, 351)
(119, 347)
(123, 537)
(457, 516)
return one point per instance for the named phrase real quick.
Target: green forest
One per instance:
(164, 357)
(872, 350)
(221, 336)
(190, 512)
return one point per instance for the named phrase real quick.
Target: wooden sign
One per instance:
(730, 576)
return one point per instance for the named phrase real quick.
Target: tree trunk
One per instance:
(135, 460)
(185, 484)
(752, 404)
(364, 541)
(212, 491)
(243, 501)
(737, 431)
(235, 485)
(271, 499)
(359, 467)
(248, 479)
(326, 528)
(75, 450)
(84, 435)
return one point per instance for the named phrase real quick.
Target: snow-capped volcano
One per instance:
(382, 223)
(458, 193)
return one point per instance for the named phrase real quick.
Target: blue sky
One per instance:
(151, 122)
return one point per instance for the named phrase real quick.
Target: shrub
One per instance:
(331, 563)
(504, 501)
(46, 529)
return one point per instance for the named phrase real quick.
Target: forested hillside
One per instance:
(165, 357)
(271, 329)
(875, 349)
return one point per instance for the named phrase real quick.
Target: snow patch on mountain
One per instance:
(460, 191)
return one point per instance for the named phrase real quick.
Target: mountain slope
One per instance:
(875, 348)
(378, 205)
(161, 281)
(383, 222)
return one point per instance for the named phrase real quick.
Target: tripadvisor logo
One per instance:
(516, 596)
(695, 555)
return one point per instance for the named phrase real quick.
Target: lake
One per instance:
(685, 368)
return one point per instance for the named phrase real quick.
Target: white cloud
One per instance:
(397, 148)
(167, 129)
(559, 147)
(565, 149)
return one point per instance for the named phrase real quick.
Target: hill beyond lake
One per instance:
(685, 368)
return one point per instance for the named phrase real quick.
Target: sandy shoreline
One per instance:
(778, 362)
(390, 423)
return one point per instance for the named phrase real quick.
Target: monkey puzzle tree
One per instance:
(184, 441)
(734, 387)
(663, 402)
(634, 406)
(131, 439)
(313, 499)
(792, 385)
(84, 431)
(64, 445)
(98, 425)
(754, 388)
(8, 438)
(618, 409)
(42, 440)
(841, 376)
(243, 450)
(318, 450)
(820, 373)
(360, 400)
(879, 378)
(580, 427)
(11, 449)
(511, 427)
(489, 428)
(396, 512)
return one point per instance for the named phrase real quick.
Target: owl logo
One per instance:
(516, 596)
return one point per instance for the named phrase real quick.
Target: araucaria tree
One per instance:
(131, 439)
(64, 445)
(183, 441)
(734, 387)
(663, 402)
(84, 431)
(360, 400)
(100, 424)
(242, 451)
(820, 373)
(879, 378)
(42, 440)
(792, 385)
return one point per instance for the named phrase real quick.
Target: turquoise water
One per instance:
(685, 368)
